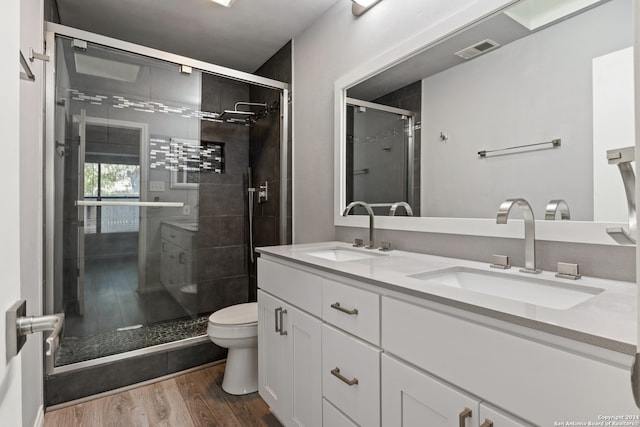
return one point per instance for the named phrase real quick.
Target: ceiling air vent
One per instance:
(477, 49)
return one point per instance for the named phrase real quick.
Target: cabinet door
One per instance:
(492, 417)
(304, 364)
(271, 354)
(413, 398)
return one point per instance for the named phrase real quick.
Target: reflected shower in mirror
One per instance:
(518, 78)
(380, 157)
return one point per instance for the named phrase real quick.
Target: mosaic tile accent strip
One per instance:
(185, 155)
(74, 349)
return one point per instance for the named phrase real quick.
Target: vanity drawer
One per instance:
(351, 309)
(331, 417)
(297, 287)
(345, 360)
(175, 235)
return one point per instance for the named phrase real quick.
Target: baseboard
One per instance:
(40, 417)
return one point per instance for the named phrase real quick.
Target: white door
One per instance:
(412, 398)
(10, 370)
(304, 368)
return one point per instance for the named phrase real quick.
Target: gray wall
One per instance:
(535, 89)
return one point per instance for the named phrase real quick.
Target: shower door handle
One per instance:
(137, 204)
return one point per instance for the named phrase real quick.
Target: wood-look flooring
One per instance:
(192, 399)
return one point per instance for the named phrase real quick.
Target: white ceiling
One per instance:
(242, 36)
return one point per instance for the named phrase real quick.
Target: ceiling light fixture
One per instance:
(361, 6)
(225, 3)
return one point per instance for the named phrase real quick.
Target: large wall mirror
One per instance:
(525, 102)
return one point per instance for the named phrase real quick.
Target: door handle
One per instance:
(487, 423)
(337, 306)
(138, 204)
(466, 413)
(19, 326)
(277, 317)
(282, 313)
(336, 373)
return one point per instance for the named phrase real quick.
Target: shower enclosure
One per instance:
(379, 155)
(148, 192)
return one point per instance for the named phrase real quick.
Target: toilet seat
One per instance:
(236, 315)
(237, 321)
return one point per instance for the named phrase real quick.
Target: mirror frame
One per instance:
(555, 231)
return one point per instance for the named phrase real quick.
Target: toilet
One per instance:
(236, 328)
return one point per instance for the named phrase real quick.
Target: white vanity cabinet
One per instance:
(176, 255)
(335, 351)
(289, 345)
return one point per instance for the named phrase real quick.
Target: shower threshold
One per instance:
(75, 352)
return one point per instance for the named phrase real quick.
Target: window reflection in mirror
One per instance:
(513, 79)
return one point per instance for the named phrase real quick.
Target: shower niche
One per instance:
(150, 199)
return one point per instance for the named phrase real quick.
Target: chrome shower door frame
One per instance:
(52, 253)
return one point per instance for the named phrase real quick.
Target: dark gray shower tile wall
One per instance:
(409, 98)
(222, 276)
(265, 158)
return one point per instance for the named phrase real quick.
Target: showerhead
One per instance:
(237, 116)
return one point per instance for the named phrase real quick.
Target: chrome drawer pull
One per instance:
(282, 313)
(337, 306)
(336, 373)
(276, 313)
(487, 423)
(466, 413)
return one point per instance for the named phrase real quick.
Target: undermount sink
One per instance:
(531, 290)
(342, 254)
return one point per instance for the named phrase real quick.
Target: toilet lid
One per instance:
(239, 314)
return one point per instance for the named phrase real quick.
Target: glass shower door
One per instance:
(126, 200)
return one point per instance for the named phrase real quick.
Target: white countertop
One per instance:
(188, 225)
(607, 320)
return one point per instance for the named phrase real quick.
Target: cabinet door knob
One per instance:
(336, 373)
(487, 423)
(337, 306)
(466, 413)
(282, 313)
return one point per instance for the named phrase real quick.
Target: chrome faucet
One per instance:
(405, 205)
(350, 206)
(529, 231)
(557, 205)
